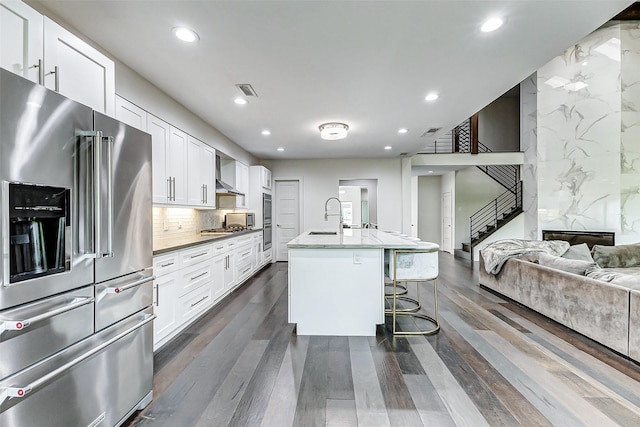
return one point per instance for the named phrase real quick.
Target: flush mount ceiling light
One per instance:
(403, 130)
(186, 35)
(333, 131)
(240, 101)
(491, 25)
(388, 147)
(280, 149)
(431, 97)
(266, 132)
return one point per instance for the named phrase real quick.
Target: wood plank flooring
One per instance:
(492, 363)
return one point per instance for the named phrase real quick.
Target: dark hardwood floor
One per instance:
(493, 363)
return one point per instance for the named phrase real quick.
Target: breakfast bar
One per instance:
(336, 281)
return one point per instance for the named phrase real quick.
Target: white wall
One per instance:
(474, 190)
(499, 124)
(430, 208)
(319, 180)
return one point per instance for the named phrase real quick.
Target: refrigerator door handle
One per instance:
(20, 325)
(118, 289)
(15, 392)
(109, 142)
(92, 185)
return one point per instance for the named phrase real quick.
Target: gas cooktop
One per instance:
(223, 230)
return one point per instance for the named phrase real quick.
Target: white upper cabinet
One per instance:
(201, 174)
(177, 167)
(160, 134)
(131, 114)
(37, 48)
(265, 177)
(242, 185)
(21, 39)
(77, 70)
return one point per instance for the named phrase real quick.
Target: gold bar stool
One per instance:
(418, 265)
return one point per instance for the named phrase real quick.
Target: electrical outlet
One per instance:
(357, 259)
(179, 224)
(166, 225)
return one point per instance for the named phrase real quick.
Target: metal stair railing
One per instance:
(494, 215)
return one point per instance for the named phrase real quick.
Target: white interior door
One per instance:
(287, 216)
(446, 223)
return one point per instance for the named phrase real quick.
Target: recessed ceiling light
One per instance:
(403, 130)
(431, 97)
(266, 132)
(240, 101)
(280, 149)
(491, 25)
(186, 35)
(585, 63)
(430, 171)
(388, 147)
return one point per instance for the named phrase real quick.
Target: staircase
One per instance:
(503, 208)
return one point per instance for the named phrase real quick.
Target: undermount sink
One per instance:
(323, 233)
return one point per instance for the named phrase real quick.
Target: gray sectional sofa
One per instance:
(605, 309)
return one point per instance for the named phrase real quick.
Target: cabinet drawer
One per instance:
(244, 253)
(244, 271)
(195, 255)
(165, 264)
(195, 275)
(219, 248)
(195, 302)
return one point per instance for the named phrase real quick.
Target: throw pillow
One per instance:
(617, 256)
(574, 266)
(581, 252)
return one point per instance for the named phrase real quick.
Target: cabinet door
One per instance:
(77, 70)
(195, 183)
(165, 306)
(208, 170)
(160, 137)
(131, 114)
(176, 166)
(266, 178)
(218, 273)
(21, 42)
(242, 185)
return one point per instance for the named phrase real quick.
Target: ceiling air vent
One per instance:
(404, 154)
(430, 132)
(246, 89)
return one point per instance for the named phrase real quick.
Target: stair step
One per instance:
(466, 247)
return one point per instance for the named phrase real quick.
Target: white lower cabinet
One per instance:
(190, 281)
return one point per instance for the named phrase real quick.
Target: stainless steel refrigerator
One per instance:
(76, 280)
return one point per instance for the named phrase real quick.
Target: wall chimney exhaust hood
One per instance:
(221, 186)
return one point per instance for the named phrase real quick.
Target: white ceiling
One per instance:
(366, 63)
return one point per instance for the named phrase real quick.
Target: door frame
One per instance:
(276, 229)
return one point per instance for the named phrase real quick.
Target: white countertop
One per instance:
(356, 238)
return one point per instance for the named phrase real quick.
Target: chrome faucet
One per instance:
(327, 214)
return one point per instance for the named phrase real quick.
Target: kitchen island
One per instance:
(336, 281)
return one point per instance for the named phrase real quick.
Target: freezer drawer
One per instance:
(119, 298)
(31, 332)
(95, 382)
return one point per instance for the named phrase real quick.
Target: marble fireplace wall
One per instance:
(588, 128)
(528, 144)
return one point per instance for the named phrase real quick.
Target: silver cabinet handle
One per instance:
(19, 325)
(14, 392)
(166, 264)
(173, 183)
(198, 255)
(55, 71)
(117, 290)
(40, 68)
(199, 276)
(206, 193)
(169, 189)
(202, 192)
(199, 301)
